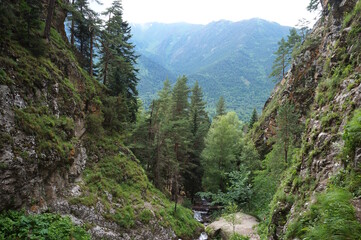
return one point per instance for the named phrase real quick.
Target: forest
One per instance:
(82, 157)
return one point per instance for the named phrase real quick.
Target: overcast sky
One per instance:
(284, 12)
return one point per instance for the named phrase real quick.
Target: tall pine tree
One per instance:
(199, 125)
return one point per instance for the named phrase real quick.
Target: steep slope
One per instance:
(55, 158)
(316, 195)
(228, 58)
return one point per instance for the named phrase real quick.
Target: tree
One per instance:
(287, 126)
(180, 133)
(221, 107)
(280, 63)
(199, 125)
(118, 58)
(284, 54)
(49, 19)
(313, 5)
(220, 153)
(253, 119)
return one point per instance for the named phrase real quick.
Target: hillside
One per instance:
(232, 59)
(319, 195)
(58, 164)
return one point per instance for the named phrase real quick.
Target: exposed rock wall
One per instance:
(324, 84)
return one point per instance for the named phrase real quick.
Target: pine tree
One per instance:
(253, 119)
(118, 58)
(221, 107)
(199, 125)
(180, 133)
(287, 126)
(281, 62)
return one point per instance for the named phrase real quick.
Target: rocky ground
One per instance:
(244, 225)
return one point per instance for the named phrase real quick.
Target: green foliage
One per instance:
(94, 124)
(254, 118)
(17, 225)
(221, 107)
(211, 61)
(352, 135)
(145, 216)
(230, 214)
(331, 217)
(288, 127)
(238, 190)
(313, 5)
(181, 221)
(349, 16)
(237, 236)
(284, 55)
(267, 180)
(221, 149)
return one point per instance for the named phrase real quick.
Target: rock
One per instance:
(245, 225)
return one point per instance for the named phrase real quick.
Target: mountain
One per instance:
(319, 193)
(232, 59)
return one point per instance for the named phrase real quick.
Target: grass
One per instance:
(52, 133)
(121, 176)
(331, 217)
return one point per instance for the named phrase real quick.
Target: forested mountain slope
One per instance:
(319, 195)
(232, 59)
(56, 155)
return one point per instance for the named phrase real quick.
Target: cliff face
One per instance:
(324, 85)
(50, 160)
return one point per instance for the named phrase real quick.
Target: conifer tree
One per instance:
(199, 125)
(221, 107)
(118, 58)
(281, 62)
(253, 119)
(287, 126)
(180, 133)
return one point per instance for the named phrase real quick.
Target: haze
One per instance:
(284, 12)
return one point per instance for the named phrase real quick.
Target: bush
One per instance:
(18, 225)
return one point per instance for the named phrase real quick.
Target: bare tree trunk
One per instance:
(91, 54)
(72, 27)
(49, 18)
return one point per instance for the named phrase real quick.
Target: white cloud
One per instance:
(285, 12)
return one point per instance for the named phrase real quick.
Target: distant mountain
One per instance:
(232, 59)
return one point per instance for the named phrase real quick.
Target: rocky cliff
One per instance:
(54, 159)
(324, 85)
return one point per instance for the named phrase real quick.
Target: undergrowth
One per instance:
(46, 226)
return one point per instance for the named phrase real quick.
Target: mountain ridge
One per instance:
(219, 55)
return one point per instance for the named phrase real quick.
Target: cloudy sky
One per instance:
(285, 12)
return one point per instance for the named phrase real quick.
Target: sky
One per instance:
(284, 12)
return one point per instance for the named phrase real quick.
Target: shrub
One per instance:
(18, 225)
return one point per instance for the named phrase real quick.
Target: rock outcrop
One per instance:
(324, 85)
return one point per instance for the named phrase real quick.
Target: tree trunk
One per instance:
(72, 26)
(91, 54)
(49, 18)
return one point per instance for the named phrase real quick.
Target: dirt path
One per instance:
(244, 225)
